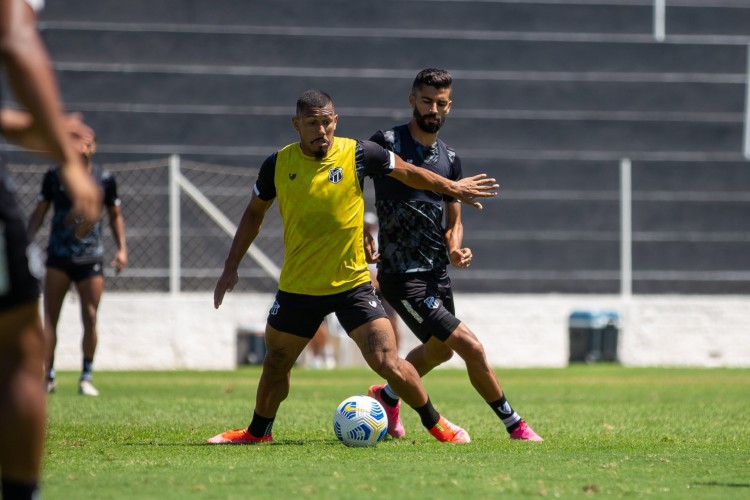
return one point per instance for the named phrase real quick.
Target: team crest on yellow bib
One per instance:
(335, 175)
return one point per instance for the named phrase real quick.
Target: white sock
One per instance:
(390, 392)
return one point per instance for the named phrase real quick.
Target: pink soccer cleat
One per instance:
(395, 427)
(525, 433)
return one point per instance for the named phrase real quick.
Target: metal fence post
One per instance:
(626, 230)
(660, 14)
(746, 145)
(175, 263)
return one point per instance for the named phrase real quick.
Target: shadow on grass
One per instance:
(283, 442)
(724, 485)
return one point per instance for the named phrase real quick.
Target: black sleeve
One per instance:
(48, 186)
(373, 159)
(379, 139)
(265, 188)
(110, 190)
(456, 170)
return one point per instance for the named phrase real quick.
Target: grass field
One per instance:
(610, 431)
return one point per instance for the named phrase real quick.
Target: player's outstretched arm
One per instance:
(246, 233)
(467, 189)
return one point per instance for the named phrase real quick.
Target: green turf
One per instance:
(609, 431)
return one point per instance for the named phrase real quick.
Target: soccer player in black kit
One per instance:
(415, 250)
(77, 259)
(43, 127)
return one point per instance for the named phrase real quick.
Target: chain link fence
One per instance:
(145, 189)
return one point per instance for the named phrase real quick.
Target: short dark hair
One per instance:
(432, 77)
(313, 99)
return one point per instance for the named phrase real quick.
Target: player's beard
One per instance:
(321, 152)
(430, 128)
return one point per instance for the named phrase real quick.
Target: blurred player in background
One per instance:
(77, 259)
(319, 352)
(371, 228)
(415, 250)
(318, 185)
(43, 128)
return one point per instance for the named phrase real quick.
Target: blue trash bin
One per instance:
(593, 335)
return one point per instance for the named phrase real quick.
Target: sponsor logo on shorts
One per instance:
(274, 308)
(373, 303)
(292, 176)
(432, 302)
(97, 267)
(414, 314)
(335, 175)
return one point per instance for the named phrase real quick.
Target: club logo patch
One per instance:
(335, 175)
(432, 302)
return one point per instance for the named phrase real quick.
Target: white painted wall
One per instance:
(160, 331)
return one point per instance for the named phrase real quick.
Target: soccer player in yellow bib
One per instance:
(318, 185)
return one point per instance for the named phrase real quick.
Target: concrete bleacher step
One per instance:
(542, 17)
(553, 217)
(201, 49)
(465, 134)
(389, 95)
(708, 19)
(572, 17)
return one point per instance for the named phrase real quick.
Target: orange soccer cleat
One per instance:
(239, 436)
(447, 432)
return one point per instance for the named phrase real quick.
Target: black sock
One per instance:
(502, 409)
(18, 490)
(428, 414)
(86, 370)
(260, 426)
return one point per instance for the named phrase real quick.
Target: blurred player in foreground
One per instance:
(77, 259)
(415, 250)
(42, 128)
(318, 184)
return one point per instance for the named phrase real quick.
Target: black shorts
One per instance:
(77, 272)
(301, 315)
(389, 310)
(424, 301)
(19, 260)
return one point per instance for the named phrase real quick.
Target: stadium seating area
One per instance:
(549, 96)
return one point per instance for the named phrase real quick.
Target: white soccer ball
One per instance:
(360, 421)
